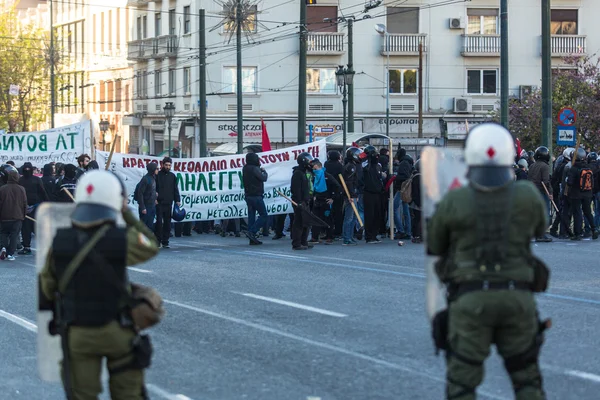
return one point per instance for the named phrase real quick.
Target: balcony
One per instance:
(402, 44)
(164, 46)
(137, 3)
(481, 46)
(139, 49)
(567, 45)
(324, 43)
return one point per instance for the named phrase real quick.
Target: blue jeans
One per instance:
(148, 218)
(350, 221)
(360, 206)
(256, 204)
(398, 212)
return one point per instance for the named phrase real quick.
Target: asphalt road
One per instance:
(331, 323)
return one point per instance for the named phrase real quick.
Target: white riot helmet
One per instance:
(567, 153)
(99, 197)
(490, 155)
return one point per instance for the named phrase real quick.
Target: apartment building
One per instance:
(461, 62)
(94, 78)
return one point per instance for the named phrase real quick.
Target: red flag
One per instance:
(518, 147)
(266, 143)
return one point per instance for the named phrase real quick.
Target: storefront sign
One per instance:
(431, 126)
(458, 130)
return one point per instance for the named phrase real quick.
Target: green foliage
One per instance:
(24, 62)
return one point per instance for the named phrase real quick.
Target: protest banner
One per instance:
(62, 144)
(212, 188)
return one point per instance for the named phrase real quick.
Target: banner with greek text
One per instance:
(62, 144)
(212, 188)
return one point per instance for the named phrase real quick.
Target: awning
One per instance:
(228, 149)
(337, 139)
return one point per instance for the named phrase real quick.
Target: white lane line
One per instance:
(294, 305)
(30, 326)
(164, 394)
(275, 254)
(320, 344)
(143, 271)
(583, 375)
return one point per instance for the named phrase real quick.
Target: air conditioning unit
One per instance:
(463, 105)
(457, 23)
(526, 91)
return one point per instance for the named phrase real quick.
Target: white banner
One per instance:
(63, 145)
(212, 188)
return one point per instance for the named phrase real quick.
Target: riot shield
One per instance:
(49, 218)
(441, 171)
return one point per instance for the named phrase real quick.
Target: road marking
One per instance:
(30, 326)
(579, 299)
(583, 375)
(275, 254)
(320, 344)
(143, 271)
(294, 305)
(164, 394)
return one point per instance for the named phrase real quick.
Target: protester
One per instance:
(539, 175)
(326, 190)
(82, 161)
(521, 170)
(373, 190)
(146, 195)
(401, 209)
(352, 168)
(168, 193)
(49, 181)
(13, 208)
(334, 166)
(301, 194)
(580, 182)
(67, 183)
(36, 194)
(416, 204)
(254, 178)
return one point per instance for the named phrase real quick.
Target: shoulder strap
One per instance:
(79, 257)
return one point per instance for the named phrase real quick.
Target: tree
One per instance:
(577, 86)
(24, 64)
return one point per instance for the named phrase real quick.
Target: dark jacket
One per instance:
(373, 178)
(557, 176)
(539, 172)
(333, 189)
(166, 186)
(34, 187)
(13, 199)
(573, 181)
(596, 170)
(403, 171)
(300, 188)
(147, 189)
(335, 168)
(49, 182)
(253, 176)
(67, 182)
(521, 174)
(351, 178)
(415, 188)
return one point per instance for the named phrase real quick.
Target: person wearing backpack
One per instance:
(539, 175)
(415, 205)
(580, 181)
(145, 195)
(401, 208)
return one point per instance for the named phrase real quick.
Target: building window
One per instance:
(157, 24)
(403, 81)
(94, 33)
(482, 21)
(482, 81)
(111, 95)
(563, 22)
(157, 83)
(321, 81)
(248, 80)
(118, 95)
(402, 19)
(138, 28)
(102, 97)
(316, 17)
(144, 27)
(187, 21)
(172, 21)
(187, 77)
(110, 23)
(249, 24)
(102, 32)
(172, 82)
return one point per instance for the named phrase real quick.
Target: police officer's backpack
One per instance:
(586, 180)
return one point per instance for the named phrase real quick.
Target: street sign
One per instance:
(567, 116)
(566, 136)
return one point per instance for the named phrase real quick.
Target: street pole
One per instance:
(504, 63)
(240, 116)
(202, 71)
(302, 76)
(170, 146)
(344, 105)
(420, 79)
(351, 86)
(387, 85)
(546, 77)
(52, 77)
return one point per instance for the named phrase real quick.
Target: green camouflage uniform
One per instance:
(89, 345)
(484, 236)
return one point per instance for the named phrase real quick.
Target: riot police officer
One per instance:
(85, 273)
(482, 233)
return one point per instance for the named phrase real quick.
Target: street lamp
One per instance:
(169, 113)
(382, 30)
(104, 124)
(345, 77)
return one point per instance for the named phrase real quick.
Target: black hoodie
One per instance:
(335, 168)
(49, 182)
(147, 188)
(166, 187)
(254, 178)
(67, 182)
(34, 188)
(300, 187)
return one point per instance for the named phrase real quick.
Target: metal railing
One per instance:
(563, 45)
(325, 43)
(481, 45)
(403, 43)
(139, 49)
(164, 46)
